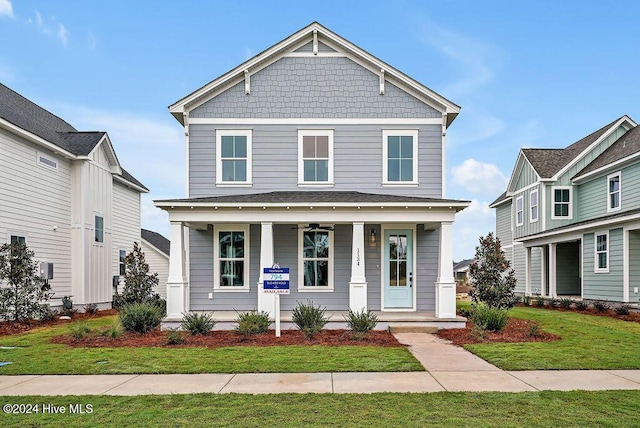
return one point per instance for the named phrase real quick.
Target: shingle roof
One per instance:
(499, 198)
(312, 197)
(82, 143)
(131, 179)
(624, 146)
(157, 240)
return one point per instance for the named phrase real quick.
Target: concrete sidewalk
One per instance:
(449, 368)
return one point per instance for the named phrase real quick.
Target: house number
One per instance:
(358, 257)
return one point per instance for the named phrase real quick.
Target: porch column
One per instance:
(177, 285)
(358, 281)
(266, 302)
(552, 271)
(527, 268)
(446, 284)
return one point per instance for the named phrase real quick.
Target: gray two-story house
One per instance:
(570, 218)
(319, 157)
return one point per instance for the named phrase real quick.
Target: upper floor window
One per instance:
(98, 229)
(519, 211)
(601, 252)
(316, 260)
(231, 258)
(233, 157)
(613, 192)
(562, 203)
(533, 206)
(400, 157)
(315, 157)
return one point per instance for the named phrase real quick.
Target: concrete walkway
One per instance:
(449, 368)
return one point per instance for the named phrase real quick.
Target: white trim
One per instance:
(383, 264)
(519, 222)
(537, 206)
(458, 205)
(443, 157)
(249, 166)
(47, 158)
(315, 133)
(35, 139)
(597, 269)
(17, 234)
(156, 249)
(129, 184)
(525, 188)
(612, 166)
(553, 203)
(124, 265)
(311, 54)
(315, 121)
(95, 228)
(619, 192)
(626, 249)
(544, 206)
(386, 133)
(517, 169)
(315, 289)
(216, 257)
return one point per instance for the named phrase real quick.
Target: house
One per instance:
(570, 218)
(65, 194)
(156, 249)
(461, 270)
(319, 157)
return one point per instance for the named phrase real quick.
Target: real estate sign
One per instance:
(276, 280)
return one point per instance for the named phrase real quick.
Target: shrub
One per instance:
(197, 323)
(493, 282)
(47, 314)
(581, 305)
(478, 333)
(139, 284)
(526, 300)
(114, 330)
(361, 322)
(539, 301)
(79, 330)
(140, 317)
(489, 318)
(534, 330)
(309, 318)
(465, 312)
(566, 303)
(554, 303)
(623, 310)
(601, 306)
(175, 337)
(90, 308)
(252, 322)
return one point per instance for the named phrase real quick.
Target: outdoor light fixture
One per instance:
(373, 239)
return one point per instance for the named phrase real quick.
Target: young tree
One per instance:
(493, 282)
(24, 290)
(139, 284)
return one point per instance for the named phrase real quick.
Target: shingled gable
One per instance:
(313, 32)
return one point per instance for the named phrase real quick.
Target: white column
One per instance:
(552, 270)
(177, 285)
(543, 270)
(527, 268)
(358, 281)
(446, 284)
(266, 302)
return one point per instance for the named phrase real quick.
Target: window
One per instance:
(46, 161)
(533, 206)
(602, 253)
(233, 157)
(400, 157)
(315, 157)
(121, 256)
(561, 203)
(519, 211)
(17, 239)
(99, 229)
(316, 260)
(614, 192)
(231, 258)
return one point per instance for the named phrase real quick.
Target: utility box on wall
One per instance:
(46, 270)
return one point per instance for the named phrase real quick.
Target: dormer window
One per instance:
(233, 157)
(562, 203)
(614, 189)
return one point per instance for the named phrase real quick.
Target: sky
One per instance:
(526, 74)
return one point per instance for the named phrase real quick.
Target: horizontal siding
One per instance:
(519, 254)
(634, 264)
(126, 222)
(568, 269)
(428, 252)
(604, 286)
(536, 273)
(158, 263)
(503, 224)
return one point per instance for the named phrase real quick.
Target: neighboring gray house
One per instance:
(570, 218)
(156, 249)
(461, 270)
(317, 156)
(65, 194)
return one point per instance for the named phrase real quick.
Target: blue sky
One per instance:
(527, 74)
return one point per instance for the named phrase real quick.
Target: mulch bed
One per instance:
(516, 330)
(9, 328)
(224, 338)
(631, 317)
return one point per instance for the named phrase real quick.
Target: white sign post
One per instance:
(276, 281)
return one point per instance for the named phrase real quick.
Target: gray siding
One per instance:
(568, 269)
(634, 264)
(314, 87)
(373, 271)
(427, 246)
(593, 195)
(277, 145)
(519, 254)
(528, 227)
(503, 224)
(536, 272)
(605, 286)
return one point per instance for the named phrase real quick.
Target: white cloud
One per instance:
(39, 19)
(475, 221)
(45, 26)
(63, 34)
(479, 178)
(6, 8)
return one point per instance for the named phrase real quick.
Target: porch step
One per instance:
(412, 327)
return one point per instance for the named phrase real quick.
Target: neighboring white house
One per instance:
(156, 250)
(65, 194)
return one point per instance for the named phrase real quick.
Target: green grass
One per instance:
(533, 409)
(588, 342)
(39, 356)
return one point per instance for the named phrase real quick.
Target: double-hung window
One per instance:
(533, 206)
(233, 157)
(315, 157)
(601, 252)
(316, 260)
(400, 157)
(614, 188)
(98, 229)
(231, 258)
(519, 211)
(122, 254)
(562, 203)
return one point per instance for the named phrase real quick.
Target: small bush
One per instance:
(540, 301)
(581, 305)
(361, 322)
(554, 303)
(113, 331)
(526, 300)
(48, 314)
(79, 330)
(252, 322)
(601, 306)
(140, 317)
(488, 318)
(534, 330)
(309, 318)
(566, 303)
(175, 337)
(623, 310)
(465, 312)
(91, 308)
(197, 323)
(478, 333)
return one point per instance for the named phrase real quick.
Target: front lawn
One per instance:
(37, 355)
(531, 409)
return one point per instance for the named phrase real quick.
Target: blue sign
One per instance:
(276, 280)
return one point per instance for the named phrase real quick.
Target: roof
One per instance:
(502, 198)
(463, 265)
(313, 197)
(131, 179)
(82, 143)
(624, 146)
(157, 240)
(275, 51)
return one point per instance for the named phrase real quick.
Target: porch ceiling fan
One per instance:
(314, 226)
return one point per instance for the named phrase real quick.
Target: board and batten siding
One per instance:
(528, 227)
(36, 203)
(158, 263)
(603, 286)
(125, 223)
(593, 195)
(275, 159)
